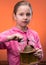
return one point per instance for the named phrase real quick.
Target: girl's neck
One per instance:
(24, 29)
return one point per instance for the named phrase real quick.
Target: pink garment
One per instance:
(13, 46)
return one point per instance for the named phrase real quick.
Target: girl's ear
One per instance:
(14, 16)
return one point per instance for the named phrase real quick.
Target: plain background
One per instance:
(38, 22)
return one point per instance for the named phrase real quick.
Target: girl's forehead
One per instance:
(23, 8)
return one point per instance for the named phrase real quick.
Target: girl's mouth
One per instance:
(25, 21)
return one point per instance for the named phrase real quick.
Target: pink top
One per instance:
(13, 46)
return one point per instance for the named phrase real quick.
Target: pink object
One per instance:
(13, 47)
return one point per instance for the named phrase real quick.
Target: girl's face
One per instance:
(23, 15)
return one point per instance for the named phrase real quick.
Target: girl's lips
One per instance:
(25, 21)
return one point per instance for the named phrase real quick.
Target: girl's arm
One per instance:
(39, 51)
(2, 41)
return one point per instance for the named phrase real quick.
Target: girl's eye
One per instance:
(21, 14)
(28, 14)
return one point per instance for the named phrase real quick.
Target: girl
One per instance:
(15, 39)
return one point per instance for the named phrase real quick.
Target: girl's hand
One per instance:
(15, 37)
(38, 53)
(11, 37)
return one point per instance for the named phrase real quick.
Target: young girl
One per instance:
(15, 39)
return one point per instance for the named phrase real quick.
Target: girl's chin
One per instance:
(24, 25)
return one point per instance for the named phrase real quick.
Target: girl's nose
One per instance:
(25, 17)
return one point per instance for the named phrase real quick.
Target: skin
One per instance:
(23, 16)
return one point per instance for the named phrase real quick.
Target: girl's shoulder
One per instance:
(33, 32)
(7, 32)
(10, 31)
